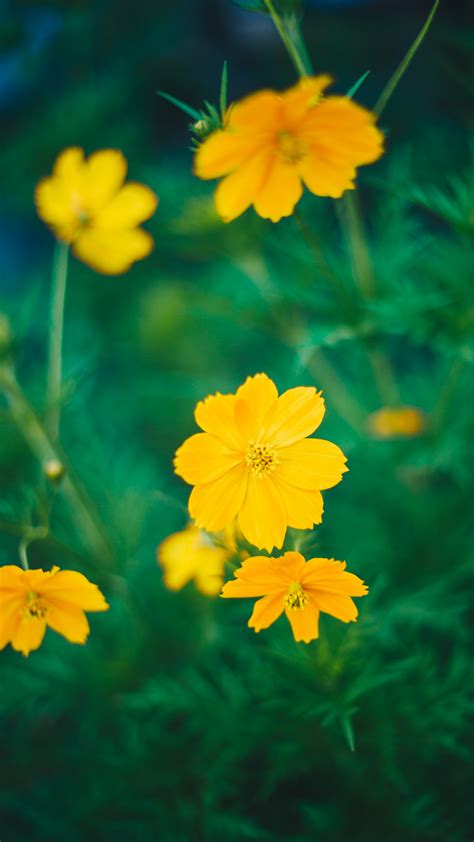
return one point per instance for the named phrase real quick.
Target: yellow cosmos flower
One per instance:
(30, 600)
(397, 422)
(301, 589)
(273, 143)
(192, 554)
(87, 205)
(254, 461)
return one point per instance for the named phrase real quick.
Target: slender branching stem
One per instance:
(298, 56)
(56, 322)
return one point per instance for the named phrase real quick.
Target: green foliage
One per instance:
(176, 722)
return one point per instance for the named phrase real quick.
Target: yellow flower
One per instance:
(192, 554)
(299, 588)
(255, 462)
(272, 144)
(87, 205)
(30, 600)
(397, 422)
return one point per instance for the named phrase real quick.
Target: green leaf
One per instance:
(355, 87)
(191, 112)
(223, 93)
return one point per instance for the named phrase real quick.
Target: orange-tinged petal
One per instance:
(11, 606)
(296, 414)
(272, 573)
(237, 588)
(72, 588)
(340, 125)
(215, 414)
(266, 611)
(104, 174)
(304, 622)
(237, 191)
(203, 458)
(280, 192)
(338, 605)
(215, 504)
(11, 578)
(223, 152)
(28, 635)
(262, 517)
(69, 621)
(133, 204)
(304, 508)
(253, 400)
(112, 252)
(257, 114)
(326, 574)
(311, 464)
(303, 97)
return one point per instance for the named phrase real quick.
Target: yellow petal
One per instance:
(54, 203)
(69, 164)
(215, 415)
(272, 572)
(303, 97)
(215, 504)
(253, 400)
(11, 578)
(133, 204)
(311, 464)
(304, 508)
(210, 573)
(258, 114)
(203, 458)
(69, 621)
(104, 174)
(237, 191)
(222, 153)
(340, 125)
(28, 635)
(304, 622)
(112, 252)
(263, 518)
(338, 605)
(280, 192)
(326, 175)
(296, 414)
(11, 605)
(190, 554)
(72, 588)
(326, 574)
(266, 611)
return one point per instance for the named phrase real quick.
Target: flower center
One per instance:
(261, 459)
(36, 607)
(296, 597)
(291, 148)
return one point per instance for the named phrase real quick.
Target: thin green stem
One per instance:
(404, 64)
(298, 56)
(362, 268)
(56, 322)
(320, 259)
(22, 552)
(46, 449)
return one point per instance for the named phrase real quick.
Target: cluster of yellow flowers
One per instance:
(254, 470)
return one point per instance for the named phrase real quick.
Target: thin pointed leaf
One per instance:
(191, 112)
(355, 87)
(404, 64)
(223, 94)
(348, 731)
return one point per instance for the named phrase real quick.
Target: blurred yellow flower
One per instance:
(397, 422)
(31, 600)
(299, 588)
(87, 204)
(192, 554)
(271, 144)
(255, 463)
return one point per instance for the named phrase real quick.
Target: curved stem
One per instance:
(54, 378)
(22, 548)
(298, 56)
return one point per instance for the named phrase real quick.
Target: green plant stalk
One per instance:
(362, 268)
(324, 374)
(320, 259)
(56, 322)
(45, 449)
(404, 64)
(292, 41)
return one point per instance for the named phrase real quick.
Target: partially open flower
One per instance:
(193, 555)
(31, 600)
(87, 204)
(397, 422)
(301, 589)
(272, 144)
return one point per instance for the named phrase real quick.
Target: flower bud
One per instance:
(54, 470)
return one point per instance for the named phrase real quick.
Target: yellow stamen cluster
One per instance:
(36, 607)
(291, 148)
(296, 597)
(261, 459)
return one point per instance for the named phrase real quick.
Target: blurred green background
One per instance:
(176, 723)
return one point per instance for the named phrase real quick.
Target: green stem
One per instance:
(362, 268)
(22, 548)
(320, 259)
(45, 449)
(324, 373)
(298, 56)
(54, 378)
(404, 64)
